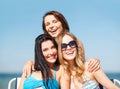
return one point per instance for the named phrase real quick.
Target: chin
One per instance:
(54, 35)
(52, 61)
(69, 58)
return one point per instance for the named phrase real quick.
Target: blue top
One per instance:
(32, 83)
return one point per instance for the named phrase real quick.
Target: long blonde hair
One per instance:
(79, 60)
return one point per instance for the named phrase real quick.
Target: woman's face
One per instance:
(49, 51)
(53, 26)
(69, 50)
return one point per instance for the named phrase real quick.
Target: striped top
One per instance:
(89, 83)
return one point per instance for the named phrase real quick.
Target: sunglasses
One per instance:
(71, 44)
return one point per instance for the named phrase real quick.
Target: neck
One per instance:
(71, 64)
(51, 66)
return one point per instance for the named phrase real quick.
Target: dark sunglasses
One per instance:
(71, 44)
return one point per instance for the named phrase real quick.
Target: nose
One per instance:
(51, 25)
(50, 51)
(68, 47)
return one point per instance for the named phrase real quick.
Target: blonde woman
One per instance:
(48, 73)
(73, 60)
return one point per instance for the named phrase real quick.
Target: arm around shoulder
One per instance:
(28, 67)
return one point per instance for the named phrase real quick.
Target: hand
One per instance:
(93, 65)
(28, 67)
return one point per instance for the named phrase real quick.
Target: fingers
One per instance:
(27, 69)
(33, 67)
(94, 68)
(93, 65)
(24, 71)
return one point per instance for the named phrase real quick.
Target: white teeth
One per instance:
(51, 57)
(53, 30)
(69, 53)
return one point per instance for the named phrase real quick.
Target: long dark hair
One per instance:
(40, 62)
(59, 17)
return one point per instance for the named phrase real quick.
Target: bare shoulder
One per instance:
(63, 73)
(37, 75)
(59, 68)
(89, 74)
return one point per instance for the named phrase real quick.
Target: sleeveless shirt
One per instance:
(32, 83)
(89, 83)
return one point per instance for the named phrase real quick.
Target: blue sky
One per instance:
(95, 22)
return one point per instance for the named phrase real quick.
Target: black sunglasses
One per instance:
(71, 44)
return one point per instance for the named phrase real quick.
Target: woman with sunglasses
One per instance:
(74, 62)
(48, 73)
(54, 23)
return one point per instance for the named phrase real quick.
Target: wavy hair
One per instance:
(79, 59)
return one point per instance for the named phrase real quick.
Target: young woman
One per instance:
(73, 61)
(54, 23)
(48, 73)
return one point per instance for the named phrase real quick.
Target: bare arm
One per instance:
(93, 63)
(104, 80)
(28, 67)
(22, 81)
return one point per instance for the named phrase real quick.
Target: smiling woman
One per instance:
(54, 23)
(49, 52)
(48, 73)
(53, 26)
(72, 59)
